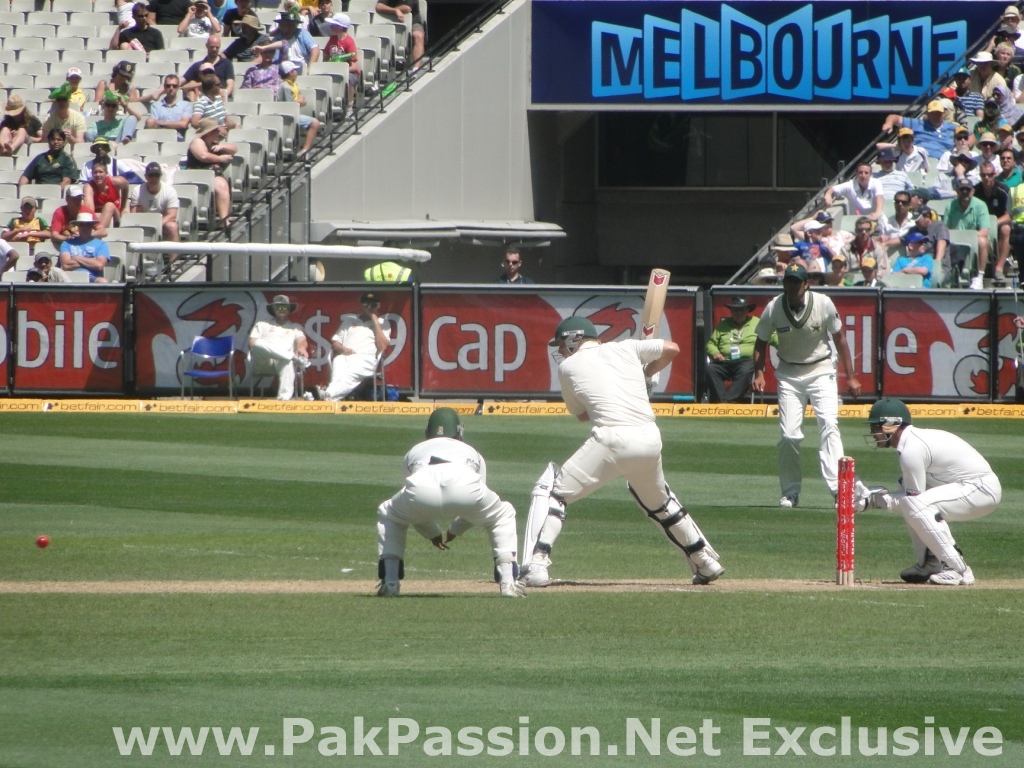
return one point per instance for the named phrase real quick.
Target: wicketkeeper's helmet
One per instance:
(887, 416)
(444, 422)
(572, 331)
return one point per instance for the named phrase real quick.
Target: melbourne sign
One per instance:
(749, 54)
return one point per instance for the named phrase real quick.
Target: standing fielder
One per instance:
(357, 350)
(281, 345)
(943, 477)
(606, 385)
(445, 479)
(804, 321)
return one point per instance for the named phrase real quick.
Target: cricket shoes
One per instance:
(512, 589)
(918, 573)
(707, 571)
(951, 578)
(789, 502)
(537, 571)
(388, 589)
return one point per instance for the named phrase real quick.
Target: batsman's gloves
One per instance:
(651, 382)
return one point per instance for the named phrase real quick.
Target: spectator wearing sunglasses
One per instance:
(511, 264)
(864, 246)
(895, 227)
(997, 198)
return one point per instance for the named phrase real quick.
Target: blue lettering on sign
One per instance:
(795, 57)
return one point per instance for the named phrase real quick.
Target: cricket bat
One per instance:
(654, 303)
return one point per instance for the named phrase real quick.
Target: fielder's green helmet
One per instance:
(444, 422)
(573, 326)
(889, 412)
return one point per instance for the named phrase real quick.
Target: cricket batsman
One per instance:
(944, 478)
(444, 479)
(606, 384)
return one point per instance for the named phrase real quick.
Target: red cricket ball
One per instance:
(43, 542)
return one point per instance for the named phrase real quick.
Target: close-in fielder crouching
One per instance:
(445, 479)
(944, 478)
(605, 384)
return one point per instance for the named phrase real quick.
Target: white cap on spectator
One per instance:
(287, 67)
(74, 72)
(87, 218)
(1011, 10)
(75, 190)
(340, 20)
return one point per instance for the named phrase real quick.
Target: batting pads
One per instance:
(680, 529)
(540, 509)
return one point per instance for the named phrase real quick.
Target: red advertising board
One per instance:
(5, 339)
(497, 341)
(859, 313)
(167, 320)
(69, 340)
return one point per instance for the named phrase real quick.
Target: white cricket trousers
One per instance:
(278, 358)
(611, 452)
(438, 494)
(795, 392)
(348, 372)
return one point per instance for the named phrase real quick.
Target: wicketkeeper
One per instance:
(606, 384)
(445, 479)
(944, 478)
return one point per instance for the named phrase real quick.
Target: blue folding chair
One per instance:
(205, 358)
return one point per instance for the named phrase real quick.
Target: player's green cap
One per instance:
(889, 411)
(444, 422)
(571, 326)
(796, 271)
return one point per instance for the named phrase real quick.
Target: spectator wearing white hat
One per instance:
(342, 48)
(77, 96)
(985, 78)
(290, 91)
(85, 251)
(63, 226)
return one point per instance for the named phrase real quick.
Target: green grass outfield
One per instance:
(280, 511)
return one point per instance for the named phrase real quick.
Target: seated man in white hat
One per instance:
(85, 251)
(279, 345)
(357, 347)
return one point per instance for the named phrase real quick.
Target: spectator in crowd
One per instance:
(120, 88)
(295, 9)
(250, 35)
(168, 108)
(357, 348)
(290, 91)
(864, 245)
(211, 104)
(510, 274)
(143, 36)
(838, 273)
(936, 234)
(34, 276)
(104, 196)
(985, 78)
(49, 273)
(68, 121)
(932, 133)
(28, 228)
(115, 129)
(85, 251)
(1007, 32)
(317, 26)
(219, 9)
(996, 198)
(76, 95)
(397, 10)
(8, 255)
(730, 351)
(988, 124)
(917, 260)
(965, 214)
(891, 179)
(125, 10)
(1009, 175)
(863, 194)
(869, 274)
(1004, 65)
(957, 167)
(811, 251)
(1009, 112)
(63, 226)
(234, 16)
(295, 45)
(52, 167)
(213, 60)
(156, 196)
(169, 12)
(896, 226)
(198, 21)
(122, 177)
(828, 236)
(968, 103)
(206, 151)
(988, 149)
(342, 48)
(266, 74)
(280, 345)
(18, 127)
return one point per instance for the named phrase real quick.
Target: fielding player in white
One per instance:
(280, 345)
(357, 350)
(804, 321)
(445, 479)
(606, 385)
(944, 478)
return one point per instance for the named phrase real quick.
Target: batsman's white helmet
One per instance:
(572, 331)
